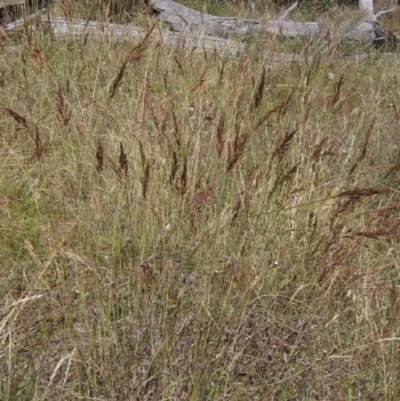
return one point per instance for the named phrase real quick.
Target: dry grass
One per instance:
(196, 227)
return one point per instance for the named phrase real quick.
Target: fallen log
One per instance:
(67, 28)
(185, 19)
(191, 30)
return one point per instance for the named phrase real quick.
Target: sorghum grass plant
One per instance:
(196, 226)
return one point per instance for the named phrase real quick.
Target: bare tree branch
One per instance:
(286, 12)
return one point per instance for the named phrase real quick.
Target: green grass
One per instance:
(197, 227)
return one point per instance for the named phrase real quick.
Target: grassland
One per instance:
(193, 226)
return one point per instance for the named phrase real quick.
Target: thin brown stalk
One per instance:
(64, 114)
(201, 78)
(116, 82)
(134, 54)
(38, 145)
(145, 179)
(308, 100)
(288, 176)
(180, 66)
(220, 135)
(235, 150)
(160, 116)
(378, 234)
(165, 76)
(312, 224)
(99, 158)
(237, 145)
(221, 73)
(282, 147)
(358, 193)
(116, 169)
(316, 155)
(146, 166)
(338, 88)
(264, 118)
(177, 133)
(363, 153)
(154, 115)
(174, 167)
(392, 170)
(123, 160)
(282, 178)
(163, 120)
(17, 117)
(183, 183)
(260, 90)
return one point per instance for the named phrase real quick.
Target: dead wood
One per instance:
(194, 30)
(67, 28)
(185, 19)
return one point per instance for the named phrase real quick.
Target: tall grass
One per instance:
(183, 225)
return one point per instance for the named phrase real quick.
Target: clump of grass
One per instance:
(192, 226)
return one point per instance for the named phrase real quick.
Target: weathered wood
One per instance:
(197, 31)
(67, 28)
(182, 18)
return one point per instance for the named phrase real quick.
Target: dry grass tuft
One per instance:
(194, 226)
